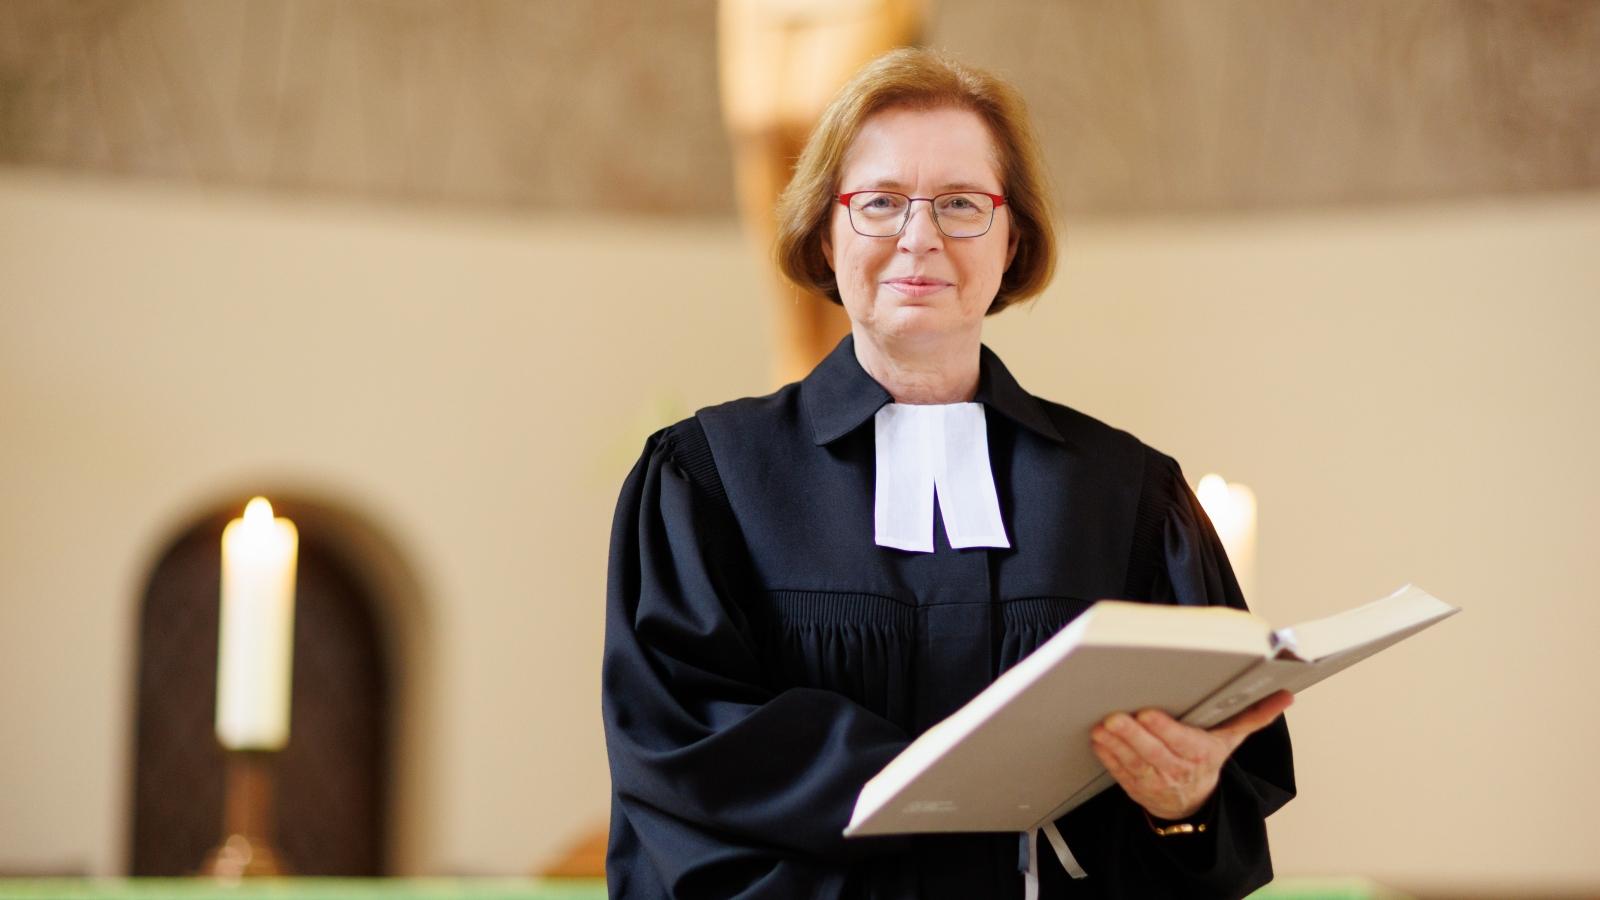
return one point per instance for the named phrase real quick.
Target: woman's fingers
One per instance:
(1151, 750)
(1164, 764)
(1186, 741)
(1168, 767)
(1170, 794)
(1110, 747)
(1112, 760)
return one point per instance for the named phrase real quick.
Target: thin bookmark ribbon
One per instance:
(1030, 865)
(1030, 873)
(1063, 852)
(928, 452)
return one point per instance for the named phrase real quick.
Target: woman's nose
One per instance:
(921, 234)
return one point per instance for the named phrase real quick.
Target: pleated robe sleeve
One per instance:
(721, 786)
(1179, 559)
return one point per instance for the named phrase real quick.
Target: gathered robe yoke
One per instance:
(764, 657)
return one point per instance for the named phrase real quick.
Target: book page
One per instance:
(1378, 621)
(1311, 652)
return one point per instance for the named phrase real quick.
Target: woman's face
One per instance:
(919, 283)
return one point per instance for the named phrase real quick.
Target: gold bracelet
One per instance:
(1176, 828)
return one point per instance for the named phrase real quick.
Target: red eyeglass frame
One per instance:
(999, 199)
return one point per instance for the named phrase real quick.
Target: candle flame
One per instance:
(1212, 491)
(1231, 507)
(257, 512)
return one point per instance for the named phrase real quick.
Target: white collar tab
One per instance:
(932, 451)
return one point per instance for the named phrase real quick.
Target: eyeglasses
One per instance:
(962, 214)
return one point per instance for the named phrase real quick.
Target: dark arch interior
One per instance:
(333, 777)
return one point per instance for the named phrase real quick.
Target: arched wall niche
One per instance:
(362, 576)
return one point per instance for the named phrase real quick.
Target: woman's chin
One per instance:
(909, 321)
(893, 316)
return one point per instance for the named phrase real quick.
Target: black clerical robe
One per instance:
(764, 657)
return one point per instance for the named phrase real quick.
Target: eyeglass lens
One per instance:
(884, 213)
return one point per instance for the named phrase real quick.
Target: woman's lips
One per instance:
(917, 287)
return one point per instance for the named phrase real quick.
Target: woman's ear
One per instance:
(1011, 248)
(827, 248)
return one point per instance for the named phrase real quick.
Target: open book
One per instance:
(1018, 755)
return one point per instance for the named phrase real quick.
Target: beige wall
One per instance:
(1411, 393)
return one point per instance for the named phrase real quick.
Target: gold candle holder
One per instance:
(246, 850)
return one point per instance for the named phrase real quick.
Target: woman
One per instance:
(802, 583)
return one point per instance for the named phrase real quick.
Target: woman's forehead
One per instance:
(900, 149)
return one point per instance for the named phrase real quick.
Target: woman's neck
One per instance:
(922, 372)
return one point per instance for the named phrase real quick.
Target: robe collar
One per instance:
(839, 396)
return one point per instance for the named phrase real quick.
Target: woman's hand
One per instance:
(1170, 768)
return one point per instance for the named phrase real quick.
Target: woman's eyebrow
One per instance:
(890, 184)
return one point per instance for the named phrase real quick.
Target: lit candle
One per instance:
(1232, 510)
(255, 647)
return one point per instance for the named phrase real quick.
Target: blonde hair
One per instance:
(924, 79)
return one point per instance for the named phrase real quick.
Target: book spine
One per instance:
(1083, 795)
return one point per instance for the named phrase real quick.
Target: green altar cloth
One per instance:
(303, 889)
(476, 889)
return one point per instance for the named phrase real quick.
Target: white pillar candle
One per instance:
(255, 646)
(1232, 510)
